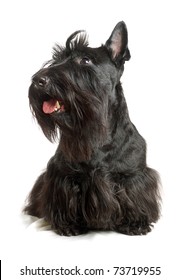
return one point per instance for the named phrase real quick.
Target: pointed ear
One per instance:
(117, 44)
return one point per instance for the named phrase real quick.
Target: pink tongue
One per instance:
(49, 106)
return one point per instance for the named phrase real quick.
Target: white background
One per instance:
(28, 30)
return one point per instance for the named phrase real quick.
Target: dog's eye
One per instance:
(85, 60)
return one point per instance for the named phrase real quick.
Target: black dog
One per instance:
(98, 178)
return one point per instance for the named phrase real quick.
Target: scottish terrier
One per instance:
(98, 178)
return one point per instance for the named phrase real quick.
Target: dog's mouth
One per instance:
(52, 106)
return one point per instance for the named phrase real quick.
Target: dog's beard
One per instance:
(85, 128)
(78, 111)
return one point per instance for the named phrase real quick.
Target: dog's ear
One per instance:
(117, 44)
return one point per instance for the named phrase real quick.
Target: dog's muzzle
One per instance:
(50, 104)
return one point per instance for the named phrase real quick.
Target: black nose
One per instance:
(42, 81)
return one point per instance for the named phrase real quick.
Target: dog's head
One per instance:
(72, 92)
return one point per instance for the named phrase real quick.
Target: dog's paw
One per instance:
(134, 229)
(70, 231)
(139, 230)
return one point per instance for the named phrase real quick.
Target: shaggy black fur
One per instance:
(98, 178)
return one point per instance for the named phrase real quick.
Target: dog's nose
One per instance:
(42, 81)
